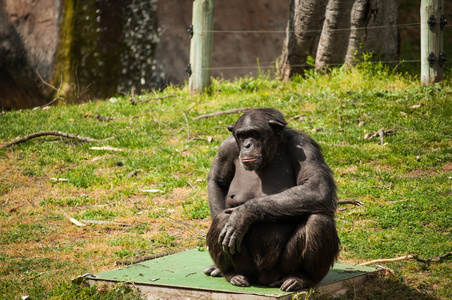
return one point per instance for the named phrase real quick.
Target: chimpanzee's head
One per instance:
(258, 134)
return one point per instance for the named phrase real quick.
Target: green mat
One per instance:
(185, 270)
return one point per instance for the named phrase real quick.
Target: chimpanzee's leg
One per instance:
(223, 261)
(312, 250)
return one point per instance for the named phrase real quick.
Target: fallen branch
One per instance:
(107, 148)
(152, 191)
(433, 259)
(350, 201)
(380, 261)
(59, 179)
(100, 222)
(47, 104)
(226, 112)
(55, 133)
(411, 256)
(381, 133)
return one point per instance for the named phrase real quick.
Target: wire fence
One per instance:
(272, 65)
(311, 30)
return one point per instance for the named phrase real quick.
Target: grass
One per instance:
(157, 184)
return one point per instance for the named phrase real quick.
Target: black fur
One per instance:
(272, 200)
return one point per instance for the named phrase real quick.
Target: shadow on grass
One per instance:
(385, 287)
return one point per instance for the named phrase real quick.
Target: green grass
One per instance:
(405, 184)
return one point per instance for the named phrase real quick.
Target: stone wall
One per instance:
(234, 54)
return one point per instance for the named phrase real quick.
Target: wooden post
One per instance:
(432, 56)
(201, 45)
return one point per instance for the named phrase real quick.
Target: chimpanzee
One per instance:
(272, 200)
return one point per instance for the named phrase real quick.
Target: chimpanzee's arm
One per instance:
(315, 192)
(220, 175)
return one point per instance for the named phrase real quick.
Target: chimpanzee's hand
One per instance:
(233, 232)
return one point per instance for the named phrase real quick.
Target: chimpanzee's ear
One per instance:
(231, 128)
(277, 126)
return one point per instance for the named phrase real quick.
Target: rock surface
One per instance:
(235, 53)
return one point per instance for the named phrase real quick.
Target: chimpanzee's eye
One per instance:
(254, 135)
(248, 134)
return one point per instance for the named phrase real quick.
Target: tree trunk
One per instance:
(357, 32)
(335, 32)
(302, 35)
(379, 34)
(334, 39)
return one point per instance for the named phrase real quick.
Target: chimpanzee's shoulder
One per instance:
(296, 136)
(229, 142)
(299, 140)
(229, 145)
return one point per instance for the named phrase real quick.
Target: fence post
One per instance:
(432, 56)
(201, 45)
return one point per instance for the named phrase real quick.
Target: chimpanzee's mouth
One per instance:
(248, 159)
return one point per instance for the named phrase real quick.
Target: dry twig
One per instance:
(186, 121)
(299, 117)
(19, 140)
(54, 88)
(407, 257)
(108, 148)
(135, 101)
(76, 222)
(47, 104)
(381, 133)
(226, 112)
(99, 222)
(59, 179)
(350, 201)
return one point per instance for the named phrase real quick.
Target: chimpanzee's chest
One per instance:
(272, 179)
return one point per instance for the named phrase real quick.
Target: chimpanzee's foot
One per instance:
(239, 280)
(213, 271)
(289, 284)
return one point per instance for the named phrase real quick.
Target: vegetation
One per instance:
(150, 184)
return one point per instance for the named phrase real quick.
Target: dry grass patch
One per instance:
(419, 173)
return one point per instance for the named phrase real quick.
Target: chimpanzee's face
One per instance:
(257, 139)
